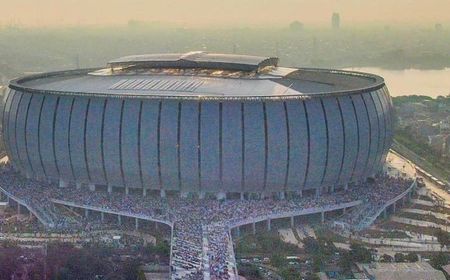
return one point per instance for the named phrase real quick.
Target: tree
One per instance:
(399, 257)
(360, 253)
(289, 274)
(386, 258)
(438, 260)
(141, 275)
(345, 262)
(443, 237)
(311, 245)
(277, 260)
(411, 257)
(249, 271)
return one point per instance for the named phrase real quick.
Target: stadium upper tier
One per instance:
(199, 122)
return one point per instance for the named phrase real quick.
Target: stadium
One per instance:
(199, 123)
(205, 145)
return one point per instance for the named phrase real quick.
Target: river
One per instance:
(413, 81)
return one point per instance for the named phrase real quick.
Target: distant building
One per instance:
(335, 21)
(296, 26)
(437, 142)
(398, 271)
(424, 128)
(444, 125)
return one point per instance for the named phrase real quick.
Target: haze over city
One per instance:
(217, 13)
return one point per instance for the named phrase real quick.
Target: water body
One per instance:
(413, 81)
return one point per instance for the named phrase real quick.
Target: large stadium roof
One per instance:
(200, 60)
(199, 75)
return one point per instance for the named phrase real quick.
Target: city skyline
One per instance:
(201, 13)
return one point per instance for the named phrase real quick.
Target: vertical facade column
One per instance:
(238, 231)
(102, 216)
(201, 195)
(394, 207)
(127, 190)
(62, 183)
(317, 193)
(242, 196)
(322, 217)
(163, 194)
(119, 220)
(254, 228)
(78, 185)
(144, 191)
(110, 188)
(292, 222)
(221, 195)
(136, 225)
(345, 187)
(282, 195)
(269, 226)
(18, 208)
(86, 213)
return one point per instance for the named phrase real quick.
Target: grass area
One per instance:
(424, 217)
(390, 225)
(435, 209)
(424, 197)
(327, 234)
(385, 234)
(267, 243)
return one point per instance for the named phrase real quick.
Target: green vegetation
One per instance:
(416, 229)
(268, 243)
(357, 253)
(429, 159)
(424, 217)
(64, 261)
(443, 237)
(416, 148)
(161, 247)
(410, 257)
(249, 271)
(385, 234)
(400, 100)
(435, 209)
(438, 260)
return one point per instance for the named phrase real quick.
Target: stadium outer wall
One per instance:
(253, 145)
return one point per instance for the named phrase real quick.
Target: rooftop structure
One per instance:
(197, 74)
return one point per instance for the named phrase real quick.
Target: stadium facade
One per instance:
(199, 123)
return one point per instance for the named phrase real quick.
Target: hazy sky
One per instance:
(221, 12)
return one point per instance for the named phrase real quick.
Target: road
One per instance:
(398, 162)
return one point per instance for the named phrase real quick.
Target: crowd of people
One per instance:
(195, 221)
(360, 216)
